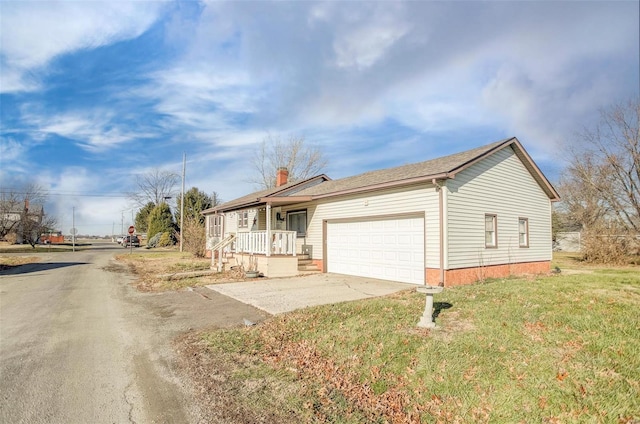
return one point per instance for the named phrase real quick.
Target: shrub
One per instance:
(153, 241)
(11, 238)
(161, 220)
(609, 247)
(166, 239)
(193, 237)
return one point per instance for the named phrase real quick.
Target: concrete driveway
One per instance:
(279, 295)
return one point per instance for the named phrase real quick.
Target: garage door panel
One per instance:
(390, 249)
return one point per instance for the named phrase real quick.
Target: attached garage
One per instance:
(386, 248)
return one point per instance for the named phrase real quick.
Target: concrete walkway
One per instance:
(279, 295)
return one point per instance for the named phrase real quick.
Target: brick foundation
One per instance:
(462, 276)
(433, 276)
(319, 263)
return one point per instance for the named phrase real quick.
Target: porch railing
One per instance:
(281, 243)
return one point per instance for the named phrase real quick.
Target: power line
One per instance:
(70, 193)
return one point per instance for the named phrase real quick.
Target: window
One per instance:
(490, 231)
(243, 219)
(215, 225)
(523, 232)
(297, 221)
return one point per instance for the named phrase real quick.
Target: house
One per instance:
(20, 221)
(453, 220)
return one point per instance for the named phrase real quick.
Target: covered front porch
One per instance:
(267, 243)
(269, 253)
(263, 231)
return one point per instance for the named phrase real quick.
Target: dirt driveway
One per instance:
(280, 295)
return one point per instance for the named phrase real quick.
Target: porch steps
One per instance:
(305, 264)
(224, 242)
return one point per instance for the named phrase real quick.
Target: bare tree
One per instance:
(18, 207)
(215, 199)
(301, 160)
(155, 186)
(34, 228)
(581, 186)
(601, 186)
(606, 166)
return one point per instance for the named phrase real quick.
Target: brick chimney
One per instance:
(26, 205)
(281, 176)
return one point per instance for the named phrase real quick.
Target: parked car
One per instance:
(119, 239)
(131, 241)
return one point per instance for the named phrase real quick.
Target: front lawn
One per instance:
(165, 270)
(556, 349)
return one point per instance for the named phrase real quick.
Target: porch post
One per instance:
(268, 217)
(220, 265)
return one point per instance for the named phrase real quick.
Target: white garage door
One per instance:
(387, 249)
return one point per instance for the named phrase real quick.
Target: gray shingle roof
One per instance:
(442, 167)
(427, 168)
(253, 197)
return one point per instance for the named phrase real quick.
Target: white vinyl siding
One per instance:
(500, 185)
(422, 199)
(230, 225)
(232, 221)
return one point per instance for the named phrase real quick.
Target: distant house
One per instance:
(18, 218)
(453, 220)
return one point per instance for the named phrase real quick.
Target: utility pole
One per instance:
(184, 164)
(73, 229)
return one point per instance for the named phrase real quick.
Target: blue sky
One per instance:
(92, 93)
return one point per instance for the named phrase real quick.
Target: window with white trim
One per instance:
(243, 219)
(523, 232)
(215, 226)
(490, 230)
(297, 221)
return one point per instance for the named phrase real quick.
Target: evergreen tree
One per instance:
(195, 201)
(142, 217)
(160, 220)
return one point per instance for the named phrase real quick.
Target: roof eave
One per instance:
(389, 184)
(263, 199)
(284, 200)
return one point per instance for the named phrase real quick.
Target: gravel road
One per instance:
(78, 344)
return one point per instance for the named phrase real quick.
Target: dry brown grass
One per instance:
(171, 270)
(7, 262)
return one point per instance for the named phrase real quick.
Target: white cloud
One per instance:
(95, 130)
(32, 36)
(13, 160)
(364, 45)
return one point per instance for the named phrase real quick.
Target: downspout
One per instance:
(440, 190)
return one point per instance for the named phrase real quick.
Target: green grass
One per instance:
(555, 349)
(26, 248)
